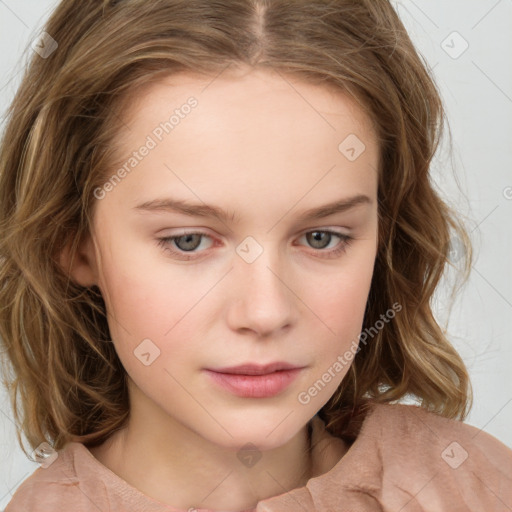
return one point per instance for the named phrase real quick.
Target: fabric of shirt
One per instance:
(404, 458)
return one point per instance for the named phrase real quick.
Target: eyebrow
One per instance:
(206, 210)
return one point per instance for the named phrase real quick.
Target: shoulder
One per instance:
(59, 485)
(437, 459)
(414, 426)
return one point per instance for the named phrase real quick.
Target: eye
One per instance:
(319, 239)
(186, 243)
(183, 246)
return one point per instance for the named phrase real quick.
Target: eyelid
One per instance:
(345, 241)
(178, 232)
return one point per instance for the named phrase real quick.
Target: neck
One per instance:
(176, 466)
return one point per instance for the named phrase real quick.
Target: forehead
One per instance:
(251, 91)
(256, 135)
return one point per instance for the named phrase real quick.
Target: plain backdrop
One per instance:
(468, 46)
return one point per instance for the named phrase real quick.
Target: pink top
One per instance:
(404, 459)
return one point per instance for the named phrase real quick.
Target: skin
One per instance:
(265, 149)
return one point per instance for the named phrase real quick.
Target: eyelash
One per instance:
(346, 240)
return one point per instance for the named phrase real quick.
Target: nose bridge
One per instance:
(261, 286)
(260, 264)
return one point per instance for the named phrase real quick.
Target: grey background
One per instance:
(477, 90)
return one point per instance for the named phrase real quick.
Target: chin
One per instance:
(266, 433)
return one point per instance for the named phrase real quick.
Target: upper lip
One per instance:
(256, 369)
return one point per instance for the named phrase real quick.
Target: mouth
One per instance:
(256, 369)
(255, 381)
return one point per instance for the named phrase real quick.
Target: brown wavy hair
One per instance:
(65, 382)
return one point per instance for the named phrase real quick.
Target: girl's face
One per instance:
(246, 159)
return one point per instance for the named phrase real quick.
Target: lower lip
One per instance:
(255, 386)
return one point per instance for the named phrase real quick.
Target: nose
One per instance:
(262, 297)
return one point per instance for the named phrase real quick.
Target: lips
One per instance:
(255, 369)
(255, 381)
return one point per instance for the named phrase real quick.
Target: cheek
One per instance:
(341, 307)
(151, 302)
(341, 302)
(137, 303)
(146, 297)
(148, 323)
(342, 312)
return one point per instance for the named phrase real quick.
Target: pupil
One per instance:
(187, 239)
(318, 235)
